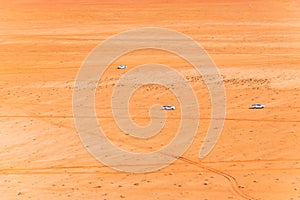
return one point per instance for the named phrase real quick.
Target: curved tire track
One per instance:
(232, 180)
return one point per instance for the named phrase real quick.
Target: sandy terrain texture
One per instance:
(256, 46)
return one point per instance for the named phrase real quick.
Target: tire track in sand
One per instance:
(140, 117)
(232, 180)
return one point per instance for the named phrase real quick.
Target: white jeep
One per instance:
(168, 107)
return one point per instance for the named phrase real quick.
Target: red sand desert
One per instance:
(256, 46)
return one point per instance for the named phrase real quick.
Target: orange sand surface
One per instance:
(255, 44)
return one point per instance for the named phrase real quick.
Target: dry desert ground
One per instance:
(256, 46)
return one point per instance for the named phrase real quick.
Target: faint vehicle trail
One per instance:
(140, 117)
(233, 182)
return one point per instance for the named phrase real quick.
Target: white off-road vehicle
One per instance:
(257, 106)
(168, 107)
(122, 66)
